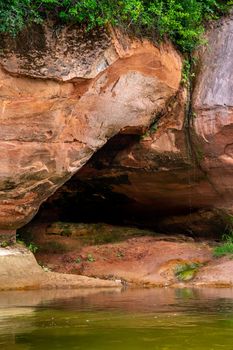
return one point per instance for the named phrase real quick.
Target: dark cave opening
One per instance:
(103, 192)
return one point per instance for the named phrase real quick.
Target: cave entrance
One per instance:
(124, 184)
(127, 204)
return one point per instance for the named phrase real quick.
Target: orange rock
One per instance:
(63, 95)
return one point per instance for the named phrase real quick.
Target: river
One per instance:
(132, 319)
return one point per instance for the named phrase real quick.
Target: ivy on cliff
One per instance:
(180, 20)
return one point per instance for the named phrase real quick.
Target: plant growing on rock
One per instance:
(223, 250)
(90, 258)
(4, 244)
(32, 247)
(186, 272)
(226, 248)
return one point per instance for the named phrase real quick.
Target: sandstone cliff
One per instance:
(176, 176)
(65, 93)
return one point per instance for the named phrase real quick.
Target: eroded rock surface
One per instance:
(128, 254)
(178, 175)
(62, 99)
(154, 181)
(61, 53)
(20, 271)
(58, 106)
(213, 107)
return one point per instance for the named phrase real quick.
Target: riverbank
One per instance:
(69, 256)
(20, 271)
(147, 261)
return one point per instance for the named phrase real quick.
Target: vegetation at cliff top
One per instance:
(180, 20)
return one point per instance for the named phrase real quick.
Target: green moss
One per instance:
(186, 272)
(180, 20)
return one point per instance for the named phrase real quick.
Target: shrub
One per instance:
(180, 20)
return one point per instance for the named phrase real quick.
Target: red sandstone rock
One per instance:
(179, 175)
(50, 128)
(60, 105)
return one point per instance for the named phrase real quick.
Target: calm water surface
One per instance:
(164, 319)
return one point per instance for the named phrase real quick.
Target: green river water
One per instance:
(163, 319)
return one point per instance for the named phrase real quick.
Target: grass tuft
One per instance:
(223, 250)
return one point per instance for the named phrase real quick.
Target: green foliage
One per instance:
(4, 244)
(90, 258)
(78, 260)
(187, 271)
(186, 72)
(18, 241)
(226, 248)
(32, 247)
(15, 14)
(180, 20)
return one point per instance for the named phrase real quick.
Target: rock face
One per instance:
(152, 182)
(61, 54)
(62, 99)
(65, 95)
(213, 106)
(178, 175)
(20, 271)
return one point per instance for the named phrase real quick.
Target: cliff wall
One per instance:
(64, 94)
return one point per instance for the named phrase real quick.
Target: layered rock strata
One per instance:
(213, 111)
(178, 175)
(63, 94)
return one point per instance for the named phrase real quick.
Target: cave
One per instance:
(101, 223)
(102, 192)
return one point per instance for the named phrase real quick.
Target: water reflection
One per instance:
(168, 319)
